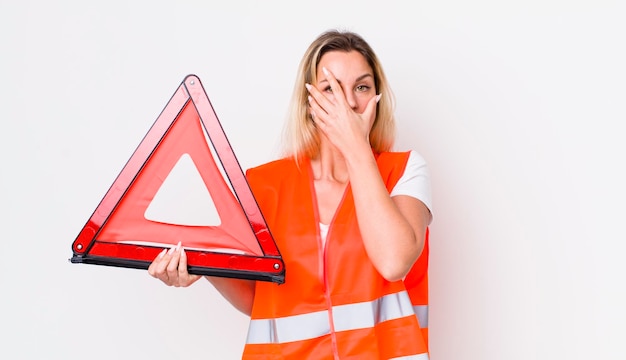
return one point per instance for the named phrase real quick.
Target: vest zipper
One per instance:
(323, 249)
(329, 303)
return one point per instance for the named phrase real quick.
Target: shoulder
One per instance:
(415, 180)
(393, 160)
(416, 158)
(283, 164)
(271, 173)
(409, 160)
(393, 155)
(406, 155)
(391, 165)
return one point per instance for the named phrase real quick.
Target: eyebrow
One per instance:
(357, 79)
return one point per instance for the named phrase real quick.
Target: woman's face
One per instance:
(354, 75)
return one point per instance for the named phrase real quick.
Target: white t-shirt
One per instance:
(415, 182)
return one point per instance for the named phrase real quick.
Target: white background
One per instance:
(518, 107)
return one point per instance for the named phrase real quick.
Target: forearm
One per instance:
(238, 292)
(390, 239)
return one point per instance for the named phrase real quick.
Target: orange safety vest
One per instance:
(334, 304)
(416, 282)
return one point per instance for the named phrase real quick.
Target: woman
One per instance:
(349, 217)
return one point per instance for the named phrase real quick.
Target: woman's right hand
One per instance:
(170, 266)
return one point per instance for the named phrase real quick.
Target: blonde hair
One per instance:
(301, 137)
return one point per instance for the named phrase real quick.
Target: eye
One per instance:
(362, 88)
(328, 89)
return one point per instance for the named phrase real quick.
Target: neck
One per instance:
(329, 165)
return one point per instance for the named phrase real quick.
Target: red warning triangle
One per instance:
(123, 231)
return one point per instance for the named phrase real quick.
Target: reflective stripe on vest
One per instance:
(345, 317)
(421, 311)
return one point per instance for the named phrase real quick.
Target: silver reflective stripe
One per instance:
(422, 315)
(354, 316)
(394, 306)
(367, 314)
(289, 328)
(423, 356)
(345, 317)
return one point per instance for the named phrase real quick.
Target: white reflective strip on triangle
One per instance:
(183, 198)
(160, 244)
(421, 311)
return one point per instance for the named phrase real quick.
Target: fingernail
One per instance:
(162, 253)
(310, 99)
(325, 70)
(307, 86)
(179, 245)
(378, 97)
(171, 250)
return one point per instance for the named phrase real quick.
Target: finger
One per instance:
(160, 269)
(370, 109)
(317, 98)
(320, 124)
(152, 269)
(338, 94)
(320, 121)
(172, 266)
(323, 100)
(317, 112)
(186, 279)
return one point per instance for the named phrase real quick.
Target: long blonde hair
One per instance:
(301, 137)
